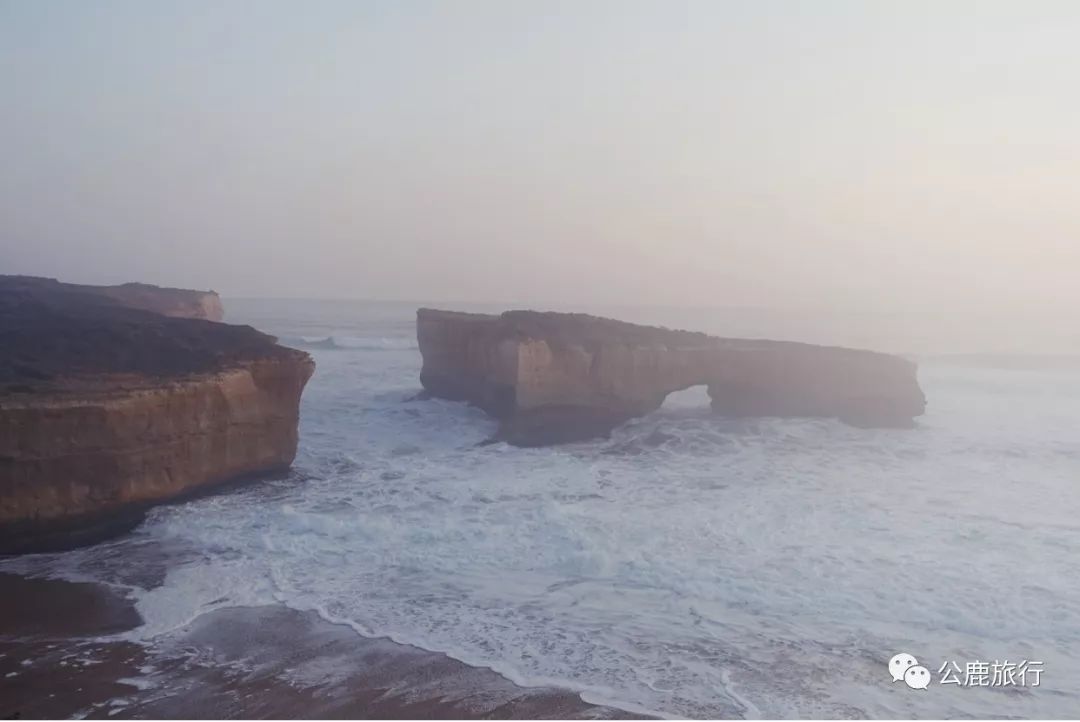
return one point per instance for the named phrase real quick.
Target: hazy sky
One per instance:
(895, 155)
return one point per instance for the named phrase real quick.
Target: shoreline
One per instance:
(61, 657)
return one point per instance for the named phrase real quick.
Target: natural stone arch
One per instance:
(553, 377)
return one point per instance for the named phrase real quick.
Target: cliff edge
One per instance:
(106, 409)
(557, 377)
(174, 302)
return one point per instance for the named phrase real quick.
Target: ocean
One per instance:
(687, 566)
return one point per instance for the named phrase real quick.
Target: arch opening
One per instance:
(691, 399)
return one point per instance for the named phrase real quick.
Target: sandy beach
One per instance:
(60, 657)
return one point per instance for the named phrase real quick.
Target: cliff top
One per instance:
(575, 328)
(55, 335)
(581, 329)
(180, 302)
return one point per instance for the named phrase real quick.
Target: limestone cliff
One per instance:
(107, 409)
(553, 377)
(175, 302)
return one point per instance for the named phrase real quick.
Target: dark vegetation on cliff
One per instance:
(54, 333)
(179, 302)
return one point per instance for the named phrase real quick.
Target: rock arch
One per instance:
(555, 377)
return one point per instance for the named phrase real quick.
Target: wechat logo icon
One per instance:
(904, 667)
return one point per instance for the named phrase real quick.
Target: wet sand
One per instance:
(243, 662)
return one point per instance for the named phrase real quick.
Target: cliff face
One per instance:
(71, 462)
(174, 302)
(553, 377)
(106, 409)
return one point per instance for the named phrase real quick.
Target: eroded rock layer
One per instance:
(554, 377)
(107, 409)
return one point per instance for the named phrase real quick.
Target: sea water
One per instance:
(688, 565)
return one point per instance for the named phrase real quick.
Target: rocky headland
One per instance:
(116, 398)
(175, 302)
(557, 377)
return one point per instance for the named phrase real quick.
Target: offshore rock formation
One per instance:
(107, 409)
(175, 302)
(557, 377)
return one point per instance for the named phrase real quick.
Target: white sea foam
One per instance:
(689, 565)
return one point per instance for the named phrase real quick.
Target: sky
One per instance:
(904, 155)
